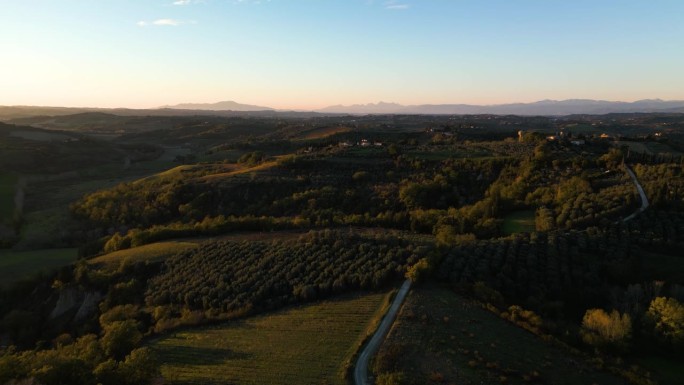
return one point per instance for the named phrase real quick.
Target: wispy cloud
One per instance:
(257, 2)
(187, 2)
(394, 5)
(165, 23)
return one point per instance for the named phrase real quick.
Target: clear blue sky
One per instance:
(314, 53)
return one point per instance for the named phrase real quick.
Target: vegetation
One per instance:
(7, 190)
(441, 337)
(303, 345)
(604, 330)
(230, 277)
(154, 252)
(189, 221)
(21, 265)
(519, 222)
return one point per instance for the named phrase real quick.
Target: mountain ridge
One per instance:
(542, 107)
(227, 105)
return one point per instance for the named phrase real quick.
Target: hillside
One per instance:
(189, 228)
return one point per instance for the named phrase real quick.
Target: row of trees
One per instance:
(225, 277)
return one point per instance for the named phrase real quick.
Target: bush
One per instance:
(606, 331)
(396, 378)
(665, 317)
(120, 337)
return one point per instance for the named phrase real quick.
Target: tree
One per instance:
(544, 219)
(606, 331)
(117, 242)
(569, 189)
(120, 337)
(448, 235)
(11, 367)
(108, 373)
(419, 270)
(140, 367)
(393, 150)
(612, 158)
(119, 313)
(360, 176)
(64, 371)
(666, 317)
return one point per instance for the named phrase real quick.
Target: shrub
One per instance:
(606, 331)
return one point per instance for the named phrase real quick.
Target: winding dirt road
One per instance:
(642, 194)
(361, 368)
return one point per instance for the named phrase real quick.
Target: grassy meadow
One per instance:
(440, 337)
(667, 371)
(519, 222)
(7, 187)
(153, 252)
(309, 344)
(18, 265)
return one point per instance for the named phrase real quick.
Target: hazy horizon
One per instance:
(305, 55)
(174, 105)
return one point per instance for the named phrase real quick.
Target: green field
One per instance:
(7, 187)
(441, 336)
(667, 371)
(437, 155)
(662, 267)
(519, 222)
(649, 147)
(636, 146)
(18, 265)
(40, 136)
(152, 252)
(310, 344)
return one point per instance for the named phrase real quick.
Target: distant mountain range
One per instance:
(231, 108)
(219, 106)
(544, 107)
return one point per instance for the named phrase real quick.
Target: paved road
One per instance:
(361, 368)
(642, 194)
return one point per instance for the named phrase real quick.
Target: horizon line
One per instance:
(300, 109)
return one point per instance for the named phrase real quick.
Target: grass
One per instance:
(40, 136)
(649, 148)
(449, 154)
(662, 148)
(582, 128)
(519, 222)
(245, 170)
(309, 344)
(636, 146)
(439, 335)
(18, 265)
(152, 252)
(320, 133)
(668, 371)
(662, 267)
(7, 187)
(42, 228)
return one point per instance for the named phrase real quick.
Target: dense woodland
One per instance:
(424, 197)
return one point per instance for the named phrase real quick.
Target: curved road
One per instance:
(361, 368)
(642, 194)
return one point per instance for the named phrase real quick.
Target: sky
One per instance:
(307, 54)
